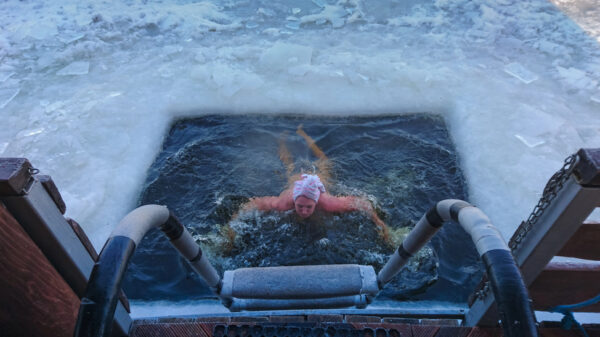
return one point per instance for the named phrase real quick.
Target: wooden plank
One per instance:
(36, 301)
(15, 173)
(566, 283)
(584, 243)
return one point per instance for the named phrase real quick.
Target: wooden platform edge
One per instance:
(584, 243)
(36, 301)
(566, 283)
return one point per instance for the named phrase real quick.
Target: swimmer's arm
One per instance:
(283, 202)
(331, 203)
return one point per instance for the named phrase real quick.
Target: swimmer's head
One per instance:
(304, 206)
(306, 194)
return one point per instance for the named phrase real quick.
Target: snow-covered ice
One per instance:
(518, 71)
(166, 60)
(75, 68)
(7, 95)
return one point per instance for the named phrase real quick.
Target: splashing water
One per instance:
(212, 165)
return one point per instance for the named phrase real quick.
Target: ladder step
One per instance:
(358, 301)
(300, 282)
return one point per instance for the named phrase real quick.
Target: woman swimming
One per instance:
(306, 192)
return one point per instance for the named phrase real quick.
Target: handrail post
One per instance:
(507, 285)
(100, 299)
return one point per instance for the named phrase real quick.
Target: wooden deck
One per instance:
(330, 325)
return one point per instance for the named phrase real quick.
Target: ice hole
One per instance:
(209, 166)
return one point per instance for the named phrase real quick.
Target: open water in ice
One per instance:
(209, 165)
(88, 90)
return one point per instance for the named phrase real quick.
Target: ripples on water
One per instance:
(210, 165)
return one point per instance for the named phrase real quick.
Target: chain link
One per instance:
(484, 289)
(554, 185)
(551, 190)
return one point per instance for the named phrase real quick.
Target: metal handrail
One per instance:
(507, 284)
(100, 300)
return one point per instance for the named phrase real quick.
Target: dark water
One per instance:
(209, 165)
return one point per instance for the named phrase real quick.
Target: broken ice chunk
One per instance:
(530, 141)
(251, 25)
(296, 10)
(531, 121)
(271, 31)
(75, 68)
(30, 132)
(320, 3)
(40, 31)
(5, 75)
(589, 134)
(300, 70)
(517, 70)
(577, 78)
(70, 37)
(333, 14)
(337, 22)
(114, 94)
(54, 106)
(595, 98)
(172, 49)
(265, 11)
(293, 25)
(7, 95)
(282, 56)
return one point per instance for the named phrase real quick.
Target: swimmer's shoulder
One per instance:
(286, 200)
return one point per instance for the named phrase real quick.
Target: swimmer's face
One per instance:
(305, 206)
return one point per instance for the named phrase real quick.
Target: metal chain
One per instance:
(552, 188)
(554, 185)
(484, 289)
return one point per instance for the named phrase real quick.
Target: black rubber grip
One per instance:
(403, 253)
(198, 256)
(172, 228)
(434, 218)
(510, 293)
(456, 208)
(98, 305)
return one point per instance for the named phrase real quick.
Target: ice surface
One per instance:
(293, 25)
(5, 75)
(70, 37)
(576, 78)
(320, 3)
(75, 68)
(266, 12)
(517, 70)
(7, 95)
(29, 133)
(333, 14)
(446, 57)
(530, 141)
(282, 56)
